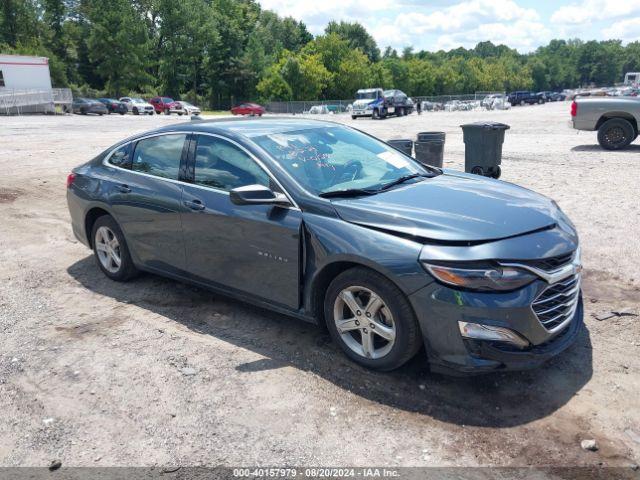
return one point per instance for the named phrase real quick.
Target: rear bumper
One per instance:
(439, 309)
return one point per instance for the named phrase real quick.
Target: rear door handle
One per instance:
(194, 204)
(123, 188)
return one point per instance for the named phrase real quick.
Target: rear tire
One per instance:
(477, 171)
(109, 245)
(136, 111)
(615, 134)
(383, 338)
(353, 117)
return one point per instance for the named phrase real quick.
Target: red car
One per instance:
(248, 109)
(165, 105)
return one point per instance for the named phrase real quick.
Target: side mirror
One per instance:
(257, 195)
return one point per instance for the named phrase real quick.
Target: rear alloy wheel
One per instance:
(616, 133)
(111, 251)
(371, 320)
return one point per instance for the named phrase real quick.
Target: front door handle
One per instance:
(123, 188)
(194, 204)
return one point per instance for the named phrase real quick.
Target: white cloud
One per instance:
(522, 35)
(445, 23)
(465, 24)
(627, 30)
(316, 14)
(594, 10)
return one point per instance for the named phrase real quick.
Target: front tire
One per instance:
(136, 111)
(371, 320)
(111, 251)
(615, 134)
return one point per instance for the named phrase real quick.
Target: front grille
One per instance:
(551, 263)
(558, 302)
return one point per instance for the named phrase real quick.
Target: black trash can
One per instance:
(430, 148)
(483, 147)
(405, 146)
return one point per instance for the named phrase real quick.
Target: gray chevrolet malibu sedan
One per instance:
(326, 223)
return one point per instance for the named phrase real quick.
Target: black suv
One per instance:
(520, 98)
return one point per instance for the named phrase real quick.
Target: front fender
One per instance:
(328, 241)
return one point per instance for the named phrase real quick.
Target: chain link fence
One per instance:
(19, 102)
(429, 103)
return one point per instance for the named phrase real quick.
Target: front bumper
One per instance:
(440, 308)
(367, 112)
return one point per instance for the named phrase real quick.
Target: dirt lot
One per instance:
(155, 373)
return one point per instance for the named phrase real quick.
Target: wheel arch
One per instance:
(90, 219)
(623, 115)
(327, 273)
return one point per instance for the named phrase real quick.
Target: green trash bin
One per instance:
(483, 147)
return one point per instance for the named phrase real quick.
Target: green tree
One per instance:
(295, 77)
(19, 24)
(118, 45)
(357, 37)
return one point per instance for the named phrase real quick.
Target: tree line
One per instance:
(217, 52)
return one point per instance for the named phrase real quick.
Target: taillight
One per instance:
(70, 178)
(574, 108)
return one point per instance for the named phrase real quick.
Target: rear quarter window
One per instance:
(121, 157)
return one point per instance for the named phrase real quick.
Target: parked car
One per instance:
(113, 105)
(187, 108)
(83, 106)
(495, 102)
(248, 109)
(330, 225)
(165, 105)
(319, 110)
(615, 118)
(552, 96)
(137, 106)
(525, 97)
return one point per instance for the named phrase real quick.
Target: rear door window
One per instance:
(159, 156)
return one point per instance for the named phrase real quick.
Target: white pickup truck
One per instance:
(615, 118)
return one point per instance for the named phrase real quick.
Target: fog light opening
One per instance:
(478, 331)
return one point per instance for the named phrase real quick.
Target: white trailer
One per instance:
(632, 78)
(20, 72)
(25, 85)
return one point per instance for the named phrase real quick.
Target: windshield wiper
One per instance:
(349, 192)
(400, 180)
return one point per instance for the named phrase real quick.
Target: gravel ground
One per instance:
(154, 372)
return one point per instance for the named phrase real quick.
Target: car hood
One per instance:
(452, 208)
(363, 102)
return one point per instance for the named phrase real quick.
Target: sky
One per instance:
(446, 24)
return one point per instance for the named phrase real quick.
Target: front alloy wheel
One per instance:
(364, 322)
(371, 320)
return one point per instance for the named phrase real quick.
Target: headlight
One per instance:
(487, 278)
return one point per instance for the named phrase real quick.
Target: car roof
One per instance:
(251, 127)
